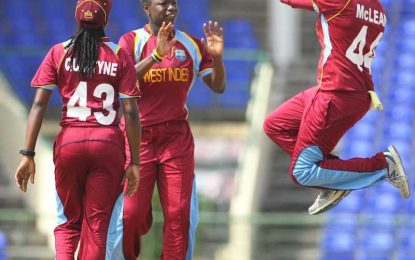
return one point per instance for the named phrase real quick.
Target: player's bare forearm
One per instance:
(36, 115)
(218, 76)
(143, 67)
(164, 45)
(133, 128)
(27, 168)
(303, 4)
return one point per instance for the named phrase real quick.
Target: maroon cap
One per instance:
(92, 13)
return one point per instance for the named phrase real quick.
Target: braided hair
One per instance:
(85, 49)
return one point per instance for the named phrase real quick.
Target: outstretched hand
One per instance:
(24, 171)
(163, 44)
(214, 39)
(132, 177)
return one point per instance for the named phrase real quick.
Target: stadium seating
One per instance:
(200, 96)
(351, 205)
(339, 245)
(386, 226)
(376, 241)
(46, 22)
(406, 246)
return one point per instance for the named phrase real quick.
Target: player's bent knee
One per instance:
(301, 169)
(300, 175)
(268, 127)
(272, 128)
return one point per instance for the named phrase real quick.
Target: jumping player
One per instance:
(167, 64)
(91, 74)
(309, 125)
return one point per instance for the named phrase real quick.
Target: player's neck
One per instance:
(154, 29)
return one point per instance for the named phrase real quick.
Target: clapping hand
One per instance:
(214, 39)
(163, 44)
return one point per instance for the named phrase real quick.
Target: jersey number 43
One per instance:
(355, 51)
(82, 111)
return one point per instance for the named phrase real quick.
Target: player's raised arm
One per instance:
(164, 45)
(329, 7)
(303, 4)
(213, 45)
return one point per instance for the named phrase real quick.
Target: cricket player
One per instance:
(168, 61)
(91, 74)
(309, 125)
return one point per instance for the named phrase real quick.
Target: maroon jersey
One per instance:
(166, 85)
(348, 31)
(89, 101)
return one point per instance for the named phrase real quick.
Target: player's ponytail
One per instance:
(84, 49)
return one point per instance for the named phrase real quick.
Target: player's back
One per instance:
(349, 31)
(90, 101)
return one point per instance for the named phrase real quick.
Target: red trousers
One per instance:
(167, 158)
(308, 127)
(89, 166)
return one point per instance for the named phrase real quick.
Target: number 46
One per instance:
(362, 61)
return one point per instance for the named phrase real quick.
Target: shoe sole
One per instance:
(329, 206)
(401, 171)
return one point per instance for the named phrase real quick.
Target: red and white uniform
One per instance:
(348, 32)
(166, 86)
(89, 152)
(167, 148)
(309, 125)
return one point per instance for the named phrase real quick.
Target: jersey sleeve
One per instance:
(46, 75)
(128, 83)
(205, 66)
(329, 6)
(303, 4)
(127, 42)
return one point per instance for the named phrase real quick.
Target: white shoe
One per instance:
(326, 200)
(396, 173)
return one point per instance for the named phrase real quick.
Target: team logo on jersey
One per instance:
(180, 55)
(88, 14)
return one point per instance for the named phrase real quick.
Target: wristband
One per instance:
(157, 54)
(155, 59)
(27, 153)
